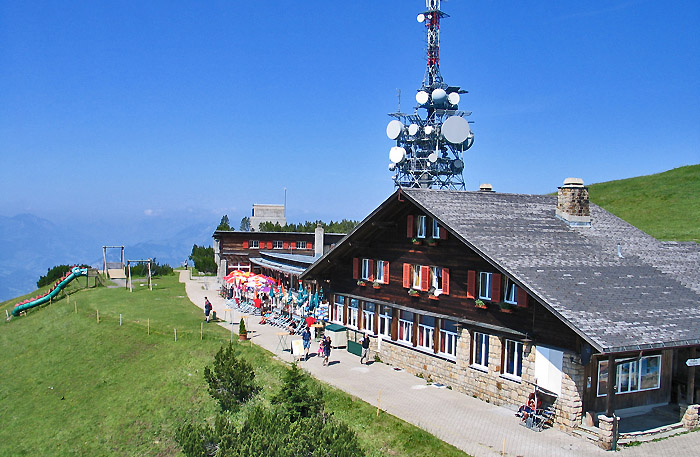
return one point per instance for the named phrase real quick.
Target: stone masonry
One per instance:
(488, 383)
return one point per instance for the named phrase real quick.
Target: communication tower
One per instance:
(430, 143)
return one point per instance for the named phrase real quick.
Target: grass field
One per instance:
(665, 205)
(72, 386)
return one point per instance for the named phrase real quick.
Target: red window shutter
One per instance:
(446, 281)
(522, 297)
(285, 245)
(355, 268)
(407, 275)
(294, 244)
(471, 284)
(245, 245)
(496, 287)
(443, 233)
(410, 226)
(371, 270)
(309, 245)
(424, 277)
(269, 244)
(386, 272)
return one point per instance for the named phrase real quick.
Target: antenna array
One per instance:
(430, 143)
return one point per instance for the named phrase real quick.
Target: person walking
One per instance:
(207, 309)
(326, 350)
(365, 348)
(306, 339)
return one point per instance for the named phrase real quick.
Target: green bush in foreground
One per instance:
(231, 379)
(295, 425)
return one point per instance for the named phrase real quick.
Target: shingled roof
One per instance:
(649, 297)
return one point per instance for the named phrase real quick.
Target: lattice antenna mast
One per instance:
(430, 142)
(432, 17)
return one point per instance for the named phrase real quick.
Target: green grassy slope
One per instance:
(72, 387)
(665, 205)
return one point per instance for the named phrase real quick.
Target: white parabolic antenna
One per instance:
(413, 129)
(422, 97)
(393, 130)
(432, 157)
(428, 129)
(453, 98)
(420, 17)
(456, 129)
(439, 96)
(397, 154)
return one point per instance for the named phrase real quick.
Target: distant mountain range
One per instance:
(30, 245)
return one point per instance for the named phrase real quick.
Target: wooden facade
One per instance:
(387, 265)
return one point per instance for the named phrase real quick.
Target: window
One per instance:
(277, 245)
(368, 317)
(632, 376)
(301, 244)
(406, 327)
(514, 359)
(511, 293)
(485, 285)
(426, 329)
(448, 338)
(436, 229)
(480, 350)
(385, 321)
(254, 244)
(365, 273)
(415, 276)
(420, 227)
(352, 313)
(436, 279)
(380, 271)
(338, 308)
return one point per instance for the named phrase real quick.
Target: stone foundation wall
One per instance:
(488, 384)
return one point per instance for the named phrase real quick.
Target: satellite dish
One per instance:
(453, 98)
(456, 129)
(397, 154)
(457, 165)
(439, 96)
(420, 17)
(392, 166)
(432, 157)
(413, 129)
(422, 97)
(393, 130)
(428, 129)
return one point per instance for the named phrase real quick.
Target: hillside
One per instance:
(665, 205)
(73, 386)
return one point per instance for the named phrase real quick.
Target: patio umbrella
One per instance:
(310, 321)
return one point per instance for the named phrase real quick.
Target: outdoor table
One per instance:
(282, 340)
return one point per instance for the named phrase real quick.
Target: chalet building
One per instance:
(494, 293)
(286, 253)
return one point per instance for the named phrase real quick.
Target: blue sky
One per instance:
(123, 110)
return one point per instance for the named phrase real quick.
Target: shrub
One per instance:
(231, 379)
(296, 396)
(241, 328)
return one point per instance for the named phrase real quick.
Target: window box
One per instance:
(361, 283)
(376, 285)
(506, 307)
(431, 242)
(478, 303)
(433, 297)
(413, 292)
(416, 241)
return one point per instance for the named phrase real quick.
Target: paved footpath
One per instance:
(478, 428)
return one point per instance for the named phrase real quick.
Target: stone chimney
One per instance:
(318, 240)
(486, 188)
(572, 203)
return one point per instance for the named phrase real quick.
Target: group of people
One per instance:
(324, 347)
